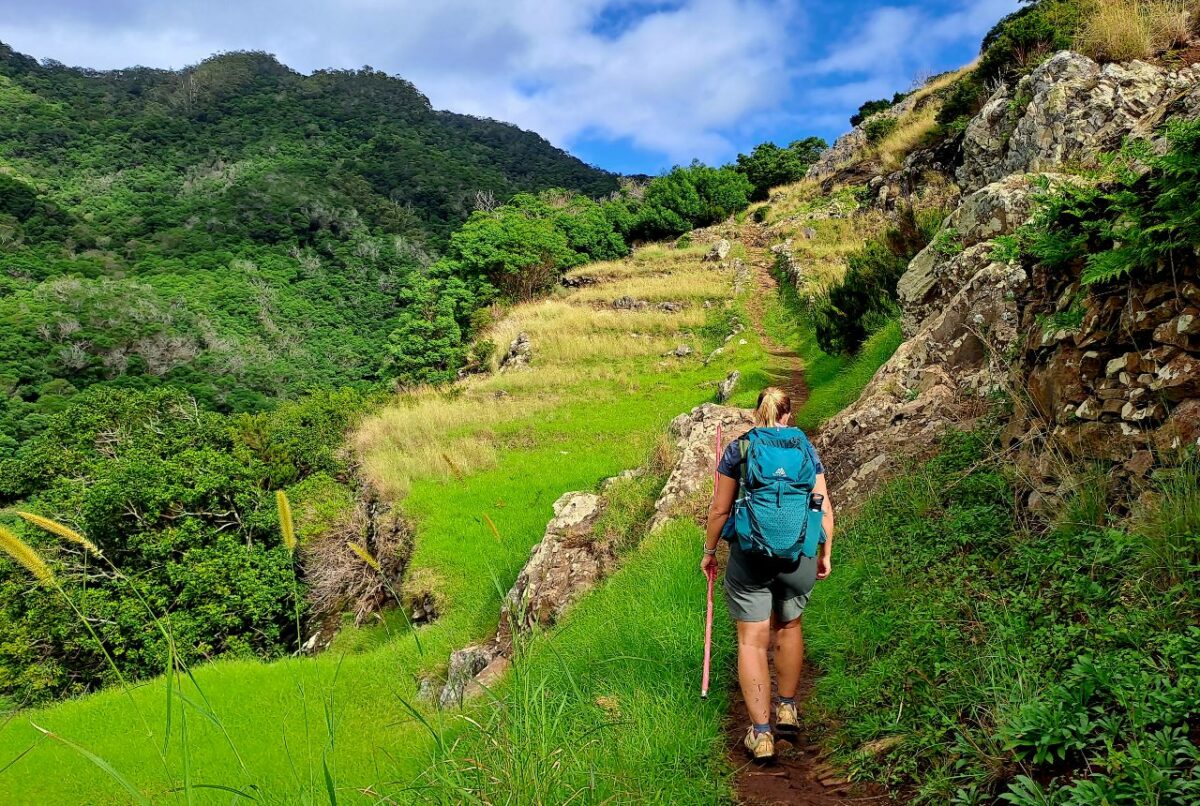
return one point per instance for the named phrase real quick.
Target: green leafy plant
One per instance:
(879, 127)
(864, 300)
(769, 166)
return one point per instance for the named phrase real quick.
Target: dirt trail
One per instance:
(787, 369)
(799, 774)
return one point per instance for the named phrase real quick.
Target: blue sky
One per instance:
(631, 85)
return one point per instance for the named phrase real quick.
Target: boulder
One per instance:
(932, 278)
(567, 562)
(695, 437)
(519, 353)
(624, 475)
(725, 388)
(719, 252)
(487, 678)
(1181, 430)
(1069, 110)
(465, 663)
(1182, 331)
(427, 690)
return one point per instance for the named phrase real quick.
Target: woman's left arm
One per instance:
(825, 558)
(718, 513)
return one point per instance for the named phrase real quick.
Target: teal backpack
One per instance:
(774, 513)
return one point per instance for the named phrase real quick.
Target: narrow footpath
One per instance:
(800, 774)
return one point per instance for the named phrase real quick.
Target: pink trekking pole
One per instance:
(712, 578)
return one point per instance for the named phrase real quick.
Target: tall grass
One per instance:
(1120, 30)
(1168, 527)
(606, 708)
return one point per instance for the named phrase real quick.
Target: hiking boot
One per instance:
(787, 720)
(760, 745)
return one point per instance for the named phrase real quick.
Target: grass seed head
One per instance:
(287, 524)
(21, 552)
(364, 555)
(56, 528)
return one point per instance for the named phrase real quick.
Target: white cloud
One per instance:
(681, 78)
(890, 48)
(667, 83)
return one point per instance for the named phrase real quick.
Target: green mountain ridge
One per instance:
(235, 228)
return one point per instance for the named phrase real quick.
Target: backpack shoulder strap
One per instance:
(744, 449)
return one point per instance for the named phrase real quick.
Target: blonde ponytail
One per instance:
(773, 405)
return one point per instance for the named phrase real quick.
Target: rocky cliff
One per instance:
(1118, 383)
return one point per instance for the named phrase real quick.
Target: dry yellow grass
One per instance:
(788, 200)
(577, 341)
(823, 257)
(914, 127)
(908, 135)
(942, 82)
(699, 285)
(1120, 30)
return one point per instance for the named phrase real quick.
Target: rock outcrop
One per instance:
(1118, 381)
(519, 353)
(937, 379)
(563, 566)
(695, 437)
(953, 257)
(1069, 110)
(567, 562)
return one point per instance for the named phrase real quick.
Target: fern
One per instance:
(1105, 267)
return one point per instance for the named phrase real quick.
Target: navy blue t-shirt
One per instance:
(731, 460)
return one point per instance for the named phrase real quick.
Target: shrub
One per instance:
(1016, 45)
(872, 107)
(178, 499)
(690, 197)
(769, 166)
(427, 345)
(865, 298)
(879, 127)
(1132, 223)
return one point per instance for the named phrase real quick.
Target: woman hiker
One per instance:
(767, 586)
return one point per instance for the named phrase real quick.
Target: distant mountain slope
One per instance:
(235, 228)
(346, 125)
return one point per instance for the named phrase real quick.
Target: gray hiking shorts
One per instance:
(757, 587)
